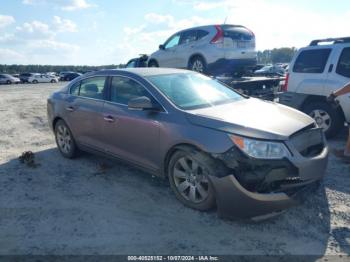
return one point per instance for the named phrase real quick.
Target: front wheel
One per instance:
(53, 81)
(326, 116)
(189, 179)
(35, 81)
(8, 82)
(64, 140)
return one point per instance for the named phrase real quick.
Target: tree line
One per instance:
(270, 56)
(276, 55)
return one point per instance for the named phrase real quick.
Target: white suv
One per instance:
(315, 72)
(212, 49)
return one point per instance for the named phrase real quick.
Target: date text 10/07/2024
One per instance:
(173, 258)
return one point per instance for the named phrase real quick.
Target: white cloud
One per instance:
(35, 26)
(6, 20)
(38, 43)
(52, 45)
(34, 30)
(67, 5)
(64, 25)
(133, 30)
(10, 56)
(159, 19)
(7, 38)
(76, 4)
(175, 25)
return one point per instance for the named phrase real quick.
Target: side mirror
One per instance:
(141, 103)
(161, 47)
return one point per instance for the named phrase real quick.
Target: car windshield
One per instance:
(192, 91)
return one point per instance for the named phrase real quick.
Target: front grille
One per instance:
(309, 141)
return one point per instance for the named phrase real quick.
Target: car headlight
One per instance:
(261, 149)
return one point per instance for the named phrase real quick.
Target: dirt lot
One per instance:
(95, 206)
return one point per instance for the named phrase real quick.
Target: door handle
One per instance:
(70, 108)
(109, 119)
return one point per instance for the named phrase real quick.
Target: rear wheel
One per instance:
(52, 81)
(35, 81)
(326, 116)
(198, 64)
(8, 82)
(189, 173)
(64, 140)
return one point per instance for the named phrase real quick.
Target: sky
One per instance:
(102, 32)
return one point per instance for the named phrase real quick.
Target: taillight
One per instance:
(219, 36)
(285, 86)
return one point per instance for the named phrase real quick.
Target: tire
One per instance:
(326, 116)
(153, 63)
(196, 191)
(198, 64)
(8, 82)
(52, 81)
(35, 81)
(64, 140)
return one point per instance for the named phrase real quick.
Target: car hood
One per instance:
(253, 118)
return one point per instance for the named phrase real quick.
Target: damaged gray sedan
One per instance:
(250, 158)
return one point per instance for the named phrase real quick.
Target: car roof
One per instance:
(142, 71)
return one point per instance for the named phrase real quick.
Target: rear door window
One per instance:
(188, 37)
(343, 67)
(93, 87)
(312, 61)
(201, 34)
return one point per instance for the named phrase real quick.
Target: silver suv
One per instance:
(213, 49)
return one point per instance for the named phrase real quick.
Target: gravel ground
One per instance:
(92, 205)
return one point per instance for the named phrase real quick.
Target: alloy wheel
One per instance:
(64, 139)
(322, 118)
(190, 180)
(198, 66)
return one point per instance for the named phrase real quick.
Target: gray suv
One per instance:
(217, 147)
(213, 49)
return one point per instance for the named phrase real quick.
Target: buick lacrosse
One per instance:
(248, 157)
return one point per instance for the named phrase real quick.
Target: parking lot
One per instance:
(92, 205)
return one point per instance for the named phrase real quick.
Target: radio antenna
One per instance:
(225, 20)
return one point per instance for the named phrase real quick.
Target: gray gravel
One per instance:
(92, 205)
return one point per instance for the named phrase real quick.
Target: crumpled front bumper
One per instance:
(235, 201)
